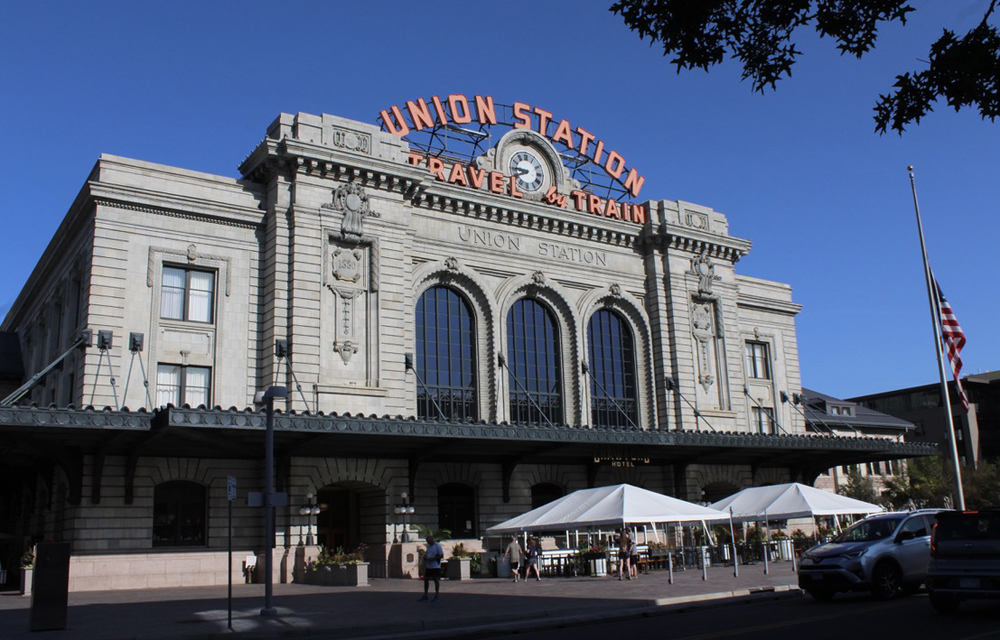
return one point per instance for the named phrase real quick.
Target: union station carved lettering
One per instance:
(492, 239)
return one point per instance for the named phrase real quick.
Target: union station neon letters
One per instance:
(457, 109)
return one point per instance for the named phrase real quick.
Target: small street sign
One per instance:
(231, 488)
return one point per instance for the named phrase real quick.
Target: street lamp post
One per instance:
(406, 510)
(266, 398)
(309, 510)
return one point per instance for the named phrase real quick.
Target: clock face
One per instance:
(529, 170)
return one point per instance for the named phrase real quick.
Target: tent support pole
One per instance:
(764, 542)
(732, 538)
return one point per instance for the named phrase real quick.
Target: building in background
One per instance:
(832, 416)
(472, 310)
(977, 433)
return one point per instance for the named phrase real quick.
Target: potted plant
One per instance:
(596, 559)
(27, 571)
(460, 563)
(339, 568)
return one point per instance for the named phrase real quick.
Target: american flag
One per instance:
(954, 340)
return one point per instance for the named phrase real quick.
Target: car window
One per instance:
(915, 525)
(869, 530)
(969, 526)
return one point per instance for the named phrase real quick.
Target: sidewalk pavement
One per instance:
(388, 608)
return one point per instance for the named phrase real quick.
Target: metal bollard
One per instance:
(670, 567)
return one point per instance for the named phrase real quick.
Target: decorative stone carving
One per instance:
(616, 290)
(352, 140)
(192, 253)
(346, 349)
(451, 264)
(538, 279)
(702, 266)
(352, 200)
(704, 333)
(347, 264)
(696, 220)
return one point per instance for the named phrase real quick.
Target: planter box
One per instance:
(338, 575)
(27, 577)
(459, 569)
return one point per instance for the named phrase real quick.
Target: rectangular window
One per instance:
(758, 361)
(762, 419)
(187, 294)
(179, 385)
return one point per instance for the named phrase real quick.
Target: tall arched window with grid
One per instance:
(613, 401)
(533, 362)
(446, 356)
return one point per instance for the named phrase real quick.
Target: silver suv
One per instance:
(887, 553)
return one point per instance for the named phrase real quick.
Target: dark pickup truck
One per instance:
(965, 558)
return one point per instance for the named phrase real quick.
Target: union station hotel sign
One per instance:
(475, 308)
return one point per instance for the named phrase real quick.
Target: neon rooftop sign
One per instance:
(449, 131)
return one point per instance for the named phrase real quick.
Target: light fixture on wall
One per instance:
(406, 510)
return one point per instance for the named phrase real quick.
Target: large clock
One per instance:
(529, 169)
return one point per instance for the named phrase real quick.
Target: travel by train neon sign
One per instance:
(456, 113)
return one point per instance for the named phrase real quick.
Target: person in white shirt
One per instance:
(514, 551)
(432, 567)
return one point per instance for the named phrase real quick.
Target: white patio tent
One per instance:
(791, 500)
(614, 506)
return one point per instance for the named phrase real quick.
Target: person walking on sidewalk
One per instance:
(432, 567)
(623, 555)
(514, 551)
(633, 557)
(531, 553)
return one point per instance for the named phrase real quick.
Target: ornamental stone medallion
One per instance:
(352, 201)
(347, 264)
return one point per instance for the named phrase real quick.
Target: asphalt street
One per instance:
(847, 617)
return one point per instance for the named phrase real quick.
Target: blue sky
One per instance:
(799, 172)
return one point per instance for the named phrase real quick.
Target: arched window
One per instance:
(533, 357)
(179, 514)
(446, 356)
(544, 493)
(457, 510)
(612, 371)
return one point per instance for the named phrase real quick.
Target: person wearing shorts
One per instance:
(514, 551)
(623, 556)
(432, 567)
(532, 560)
(633, 557)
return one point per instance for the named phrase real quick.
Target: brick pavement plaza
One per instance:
(391, 607)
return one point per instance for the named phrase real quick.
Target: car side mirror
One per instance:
(903, 536)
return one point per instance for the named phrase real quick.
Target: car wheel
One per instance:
(886, 581)
(944, 604)
(821, 595)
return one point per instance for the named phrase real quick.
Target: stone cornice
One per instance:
(303, 158)
(680, 238)
(175, 206)
(289, 156)
(767, 304)
(525, 215)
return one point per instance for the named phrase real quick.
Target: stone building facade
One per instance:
(481, 335)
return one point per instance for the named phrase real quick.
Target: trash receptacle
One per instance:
(50, 589)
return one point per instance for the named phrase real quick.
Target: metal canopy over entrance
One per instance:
(41, 438)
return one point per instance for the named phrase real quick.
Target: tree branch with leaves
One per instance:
(963, 71)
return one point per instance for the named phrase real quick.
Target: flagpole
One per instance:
(936, 324)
